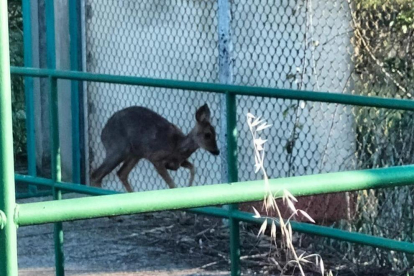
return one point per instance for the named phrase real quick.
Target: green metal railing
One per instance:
(13, 215)
(58, 211)
(8, 235)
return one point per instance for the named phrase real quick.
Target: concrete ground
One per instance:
(145, 244)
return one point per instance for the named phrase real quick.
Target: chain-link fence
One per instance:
(359, 47)
(152, 39)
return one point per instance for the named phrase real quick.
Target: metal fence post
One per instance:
(228, 123)
(225, 75)
(54, 132)
(233, 177)
(56, 172)
(8, 228)
(28, 91)
(74, 31)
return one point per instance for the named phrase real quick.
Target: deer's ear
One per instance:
(203, 114)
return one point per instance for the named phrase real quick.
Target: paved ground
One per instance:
(153, 244)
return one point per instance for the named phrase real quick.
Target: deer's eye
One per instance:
(207, 136)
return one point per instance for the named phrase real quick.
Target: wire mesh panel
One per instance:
(179, 107)
(358, 47)
(303, 45)
(172, 39)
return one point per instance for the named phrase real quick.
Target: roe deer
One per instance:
(138, 132)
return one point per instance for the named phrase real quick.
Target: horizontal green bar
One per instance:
(247, 217)
(317, 230)
(184, 198)
(31, 195)
(222, 88)
(338, 234)
(70, 187)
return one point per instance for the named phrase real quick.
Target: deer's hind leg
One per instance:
(124, 171)
(112, 160)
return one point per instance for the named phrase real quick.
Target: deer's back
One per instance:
(142, 131)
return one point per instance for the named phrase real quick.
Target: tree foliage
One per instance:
(17, 59)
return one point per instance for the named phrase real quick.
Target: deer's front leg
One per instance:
(160, 167)
(186, 164)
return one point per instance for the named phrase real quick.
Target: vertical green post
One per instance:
(8, 229)
(54, 131)
(233, 177)
(50, 34)
(56, 172)
(28, 91)
(74, 65)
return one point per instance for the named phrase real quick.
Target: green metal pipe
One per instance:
(56, 172)
(28, 89)
(50, 35)
(54, 130)
(29, 97)
(184, 198)
(317, 230)
(54, 133)
(69, 187)
(223, 88)
(233, 178)
(32, 195)
(8, 227)
(75, 85)
(247, 217)
(328, 232)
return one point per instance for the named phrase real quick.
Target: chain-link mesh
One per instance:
(152, 39)
(171, 104)
(357, 47)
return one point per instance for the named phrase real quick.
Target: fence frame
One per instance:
(247, 191)
(13, 215)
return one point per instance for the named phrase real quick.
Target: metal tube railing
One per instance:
(248, 217)
(233, 214)
(183, 198)
(57, 211)
(74, 23)
(223, 88)
(29, 96)
(56, 172)
(232, 178)
(8, 228)
(54, 130)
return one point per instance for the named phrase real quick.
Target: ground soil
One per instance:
(145, 244)
(165, 243)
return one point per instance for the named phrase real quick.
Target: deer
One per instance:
(136, 133)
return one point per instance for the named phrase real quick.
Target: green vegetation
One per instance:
(18, 98)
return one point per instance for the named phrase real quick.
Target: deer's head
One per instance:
(205, 133)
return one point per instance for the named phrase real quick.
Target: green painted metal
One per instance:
(28, 86)
(8, 239)
(312, 229)
(54, 130)
(244, 216)
(56, 172)
(50, 34)
(64, 186)
(247, 217)
(75, 65)
(151, 201)
(232, 178)
(328, 232)
(223, 88)
(32, 195)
